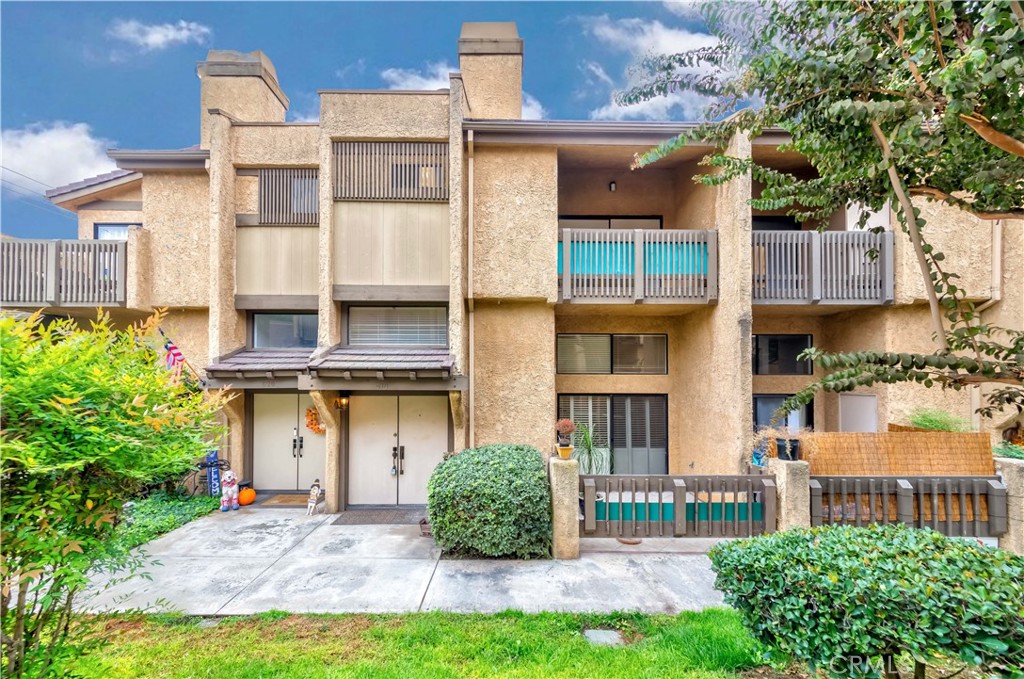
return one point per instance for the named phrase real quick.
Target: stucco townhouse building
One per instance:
(424, 271)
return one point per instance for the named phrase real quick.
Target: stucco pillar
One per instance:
(1012, 472)
(138, 283)
(232, 446)
(564, 476)
(227, 325)
(331, 418)
(329, 330)
(792, 482)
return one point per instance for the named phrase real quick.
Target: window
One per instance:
(284, 331)
(635, 426)
(765, 406)
(289, 196)
(777, 354)
(113, 231)
(774, 223)
(588, 354)
(398, 326)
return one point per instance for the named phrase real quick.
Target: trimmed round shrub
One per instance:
(492, 501)
(848, 600)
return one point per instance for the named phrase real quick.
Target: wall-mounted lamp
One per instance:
(341, 403)
(612, 186)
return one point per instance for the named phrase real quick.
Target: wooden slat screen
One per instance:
(289, 195)
(373, 170)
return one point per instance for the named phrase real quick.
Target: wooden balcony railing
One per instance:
(832, 267)
(41, 273)
(638, 265)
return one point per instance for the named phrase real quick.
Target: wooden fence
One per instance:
(677, 506)
(957, 506)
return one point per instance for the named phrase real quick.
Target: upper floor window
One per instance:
(777, 354)
(284, 331)
(398, 326)
(289, 195)
(391, 170)
(113, 231)
(586, 354)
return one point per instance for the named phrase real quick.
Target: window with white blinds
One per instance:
(636, 426)
(593, 411)
(588, 354)
(398, 326)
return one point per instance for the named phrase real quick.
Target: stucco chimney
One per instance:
(242, 85)
(491, 61)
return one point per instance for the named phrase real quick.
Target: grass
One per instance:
(160, 513)
(710, 644)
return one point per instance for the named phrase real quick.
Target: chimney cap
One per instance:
(241, 64)
(490, 37)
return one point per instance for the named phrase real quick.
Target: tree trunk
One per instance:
(915, 236)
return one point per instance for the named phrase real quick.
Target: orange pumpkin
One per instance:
(246, 496)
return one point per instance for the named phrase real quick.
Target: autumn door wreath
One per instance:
(313, 422)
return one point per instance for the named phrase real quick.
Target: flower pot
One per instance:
(564, 452)
(790, 452)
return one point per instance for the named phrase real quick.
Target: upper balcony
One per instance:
(831, 267)
(632, 266)
(63, 273)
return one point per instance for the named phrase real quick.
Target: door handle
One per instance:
(394, 460)
(295, 446)
(300, 446)
(401, 459)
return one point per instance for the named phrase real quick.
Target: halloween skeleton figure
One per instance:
(229, 491)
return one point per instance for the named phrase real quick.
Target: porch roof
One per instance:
(388, 360)
(261, 362)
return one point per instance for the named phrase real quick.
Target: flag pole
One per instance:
(184, 360)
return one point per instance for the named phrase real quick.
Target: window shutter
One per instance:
(584, 354)
(398, 326)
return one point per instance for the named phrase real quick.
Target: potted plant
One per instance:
(564, 429)
(594, 456)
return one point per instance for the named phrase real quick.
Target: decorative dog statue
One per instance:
(229, 491)
(314, 498)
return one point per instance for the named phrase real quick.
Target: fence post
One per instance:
(904, 502)
(771, 521)
(589, 506)
(816, 511)
(566, 264)
(711, 266)
(792, 481)
(1012, 473)
(638, 265)
(564, 476)
(678, 507)
(887, 268)
(816, 278)
(996, 493)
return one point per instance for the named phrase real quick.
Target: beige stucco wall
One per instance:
(189, 330)
(290, 145)
(515, 374)
(458, 335)
(494, 85)
(276, 260)
(246, 98)
(88, 219)
(965, 240)
(694, 203)
(647, 192)
(247, 195)
(176, 214)
(384, 115)
(515, 223)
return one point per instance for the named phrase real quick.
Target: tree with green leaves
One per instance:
(888, 100)
(88, 418)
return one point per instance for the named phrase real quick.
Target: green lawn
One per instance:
(710, 644)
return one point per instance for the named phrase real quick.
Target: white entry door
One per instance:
(394, 444)
(286, 454)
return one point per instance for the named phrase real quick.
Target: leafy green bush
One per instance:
(938, 420)
(492, 501)
(848, 600)
(157, 514)
(1007, 449)
(89, 417)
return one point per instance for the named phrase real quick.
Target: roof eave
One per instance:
(189, 159)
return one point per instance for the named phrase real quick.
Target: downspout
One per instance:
(995, 296)
(470, 295)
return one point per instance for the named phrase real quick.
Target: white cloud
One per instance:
(54, 153)
(639, 38)
(154, 37)
(685, 9)
(434, 77)
(357, 67)
(532, 108)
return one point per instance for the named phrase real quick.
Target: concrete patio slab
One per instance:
(369, 541)
(247, 532)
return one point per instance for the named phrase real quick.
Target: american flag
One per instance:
(173, 359)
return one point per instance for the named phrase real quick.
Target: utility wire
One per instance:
(17, 188)
(7, 169)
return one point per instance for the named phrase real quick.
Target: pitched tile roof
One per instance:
(86, 183)
(262, 361)
(383, 359)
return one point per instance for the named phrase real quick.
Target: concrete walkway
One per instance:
(259, 559)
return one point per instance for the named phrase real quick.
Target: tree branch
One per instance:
(1018, 12)
(915, 234)
(935, 33)
(964, 205)
(993, 136)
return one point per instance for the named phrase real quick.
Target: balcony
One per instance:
(831, 267)
(62, 273)
(633, 266)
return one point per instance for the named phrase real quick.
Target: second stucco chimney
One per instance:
(491, 61)
(242, 85)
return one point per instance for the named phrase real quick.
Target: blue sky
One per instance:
(78, 78)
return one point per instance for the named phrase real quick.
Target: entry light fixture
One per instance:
(612, 186)
(341, 402)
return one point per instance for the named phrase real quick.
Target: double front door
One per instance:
(394, 444)
(287, 455)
